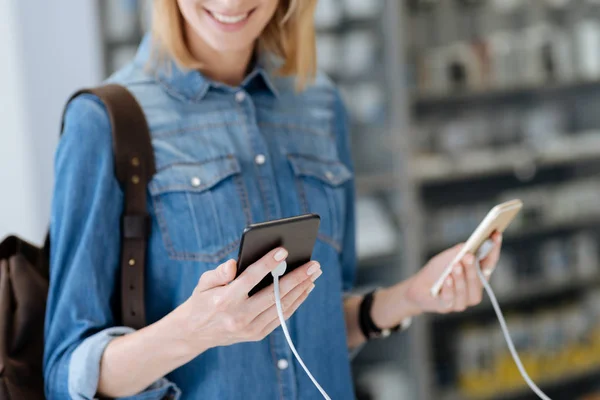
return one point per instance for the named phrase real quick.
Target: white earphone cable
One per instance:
(289, 339)
(481, 254)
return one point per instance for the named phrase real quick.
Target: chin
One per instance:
(229, 44)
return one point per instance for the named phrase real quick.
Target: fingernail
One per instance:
(310, 289)
(458, 270)
(313, 268)
(280, 255)
(316, 276)
(449, 282)
(487, 272)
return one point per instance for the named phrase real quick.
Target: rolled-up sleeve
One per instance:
(84, 369)
(84, 265)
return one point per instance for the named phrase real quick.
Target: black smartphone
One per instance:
(296, 234)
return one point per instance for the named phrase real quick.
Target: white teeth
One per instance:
(229, 19)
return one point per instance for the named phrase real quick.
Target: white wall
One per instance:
(49, 49)
(16, 200)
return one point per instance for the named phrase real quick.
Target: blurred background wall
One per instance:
(48, 50)
(15, 156)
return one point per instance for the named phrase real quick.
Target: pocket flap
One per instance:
(333, 173)
(194, 177)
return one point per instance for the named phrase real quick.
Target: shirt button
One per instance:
(260, 159)
(282, 364)
(329, 175)
(240, 96)
(196, 181)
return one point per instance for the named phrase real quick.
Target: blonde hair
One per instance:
(290, 35)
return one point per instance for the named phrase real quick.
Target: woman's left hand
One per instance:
(462, 288)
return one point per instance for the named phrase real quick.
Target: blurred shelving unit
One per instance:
(123, 23)
(503, 103)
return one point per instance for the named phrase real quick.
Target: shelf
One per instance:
(583, 222)
(441, 99)
(369, 184)
(523, 293)
(525, 393)
(567, 149)
(380, 260)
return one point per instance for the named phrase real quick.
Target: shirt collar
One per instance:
(192, 85)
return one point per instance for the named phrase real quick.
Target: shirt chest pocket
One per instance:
(321, 189)
(201, 208)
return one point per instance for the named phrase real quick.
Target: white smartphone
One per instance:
(497, 220)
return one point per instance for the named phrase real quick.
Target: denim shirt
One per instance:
(226, 157)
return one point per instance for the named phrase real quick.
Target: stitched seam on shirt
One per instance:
(266, 101)
(320, 178)
(187, 188)
(295, 127)
(178, 95)
(197, 128)
(330, 241)
(263, 196)
(243, 193)
(158, 207)
(256, 167)
(205, 257)
(334, 208)
(277, 371)
(314, 158)
(335, 221)
(167, 88)
(332, 123)
(194, 220)
(185, 256)
(190, 163)
(301, 171)
(302, 194)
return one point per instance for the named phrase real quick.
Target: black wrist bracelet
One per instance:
(367, 326)
(364, 314)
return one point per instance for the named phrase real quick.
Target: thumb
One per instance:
(220, 276)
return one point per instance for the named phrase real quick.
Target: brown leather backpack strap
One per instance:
(134, 168)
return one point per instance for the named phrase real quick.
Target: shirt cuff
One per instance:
(352, 353)
(162, 389)
(84, 370)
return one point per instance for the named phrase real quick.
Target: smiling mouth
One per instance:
(229, 19)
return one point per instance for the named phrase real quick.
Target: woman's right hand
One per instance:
(220, 313)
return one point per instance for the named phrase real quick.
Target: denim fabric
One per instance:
(209, 186)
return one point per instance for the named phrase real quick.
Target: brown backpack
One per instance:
(24, 268)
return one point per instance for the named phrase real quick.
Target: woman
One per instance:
(243, 131)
